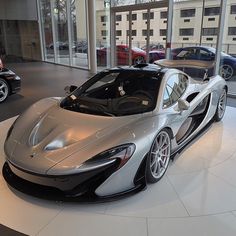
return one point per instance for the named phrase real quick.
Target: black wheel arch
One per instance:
(8, 83)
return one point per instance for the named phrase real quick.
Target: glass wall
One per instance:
(139, 35)
(46, 21)
(64, 33)
(138, 29)
(194, 32)
(79, 34)
(228, 56)
(103, 34)
(61, 40)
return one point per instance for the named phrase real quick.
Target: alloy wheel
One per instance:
(160, 155)
(222, 104)
(226, 71)
(4, 90)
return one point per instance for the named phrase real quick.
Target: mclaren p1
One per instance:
(112, 135)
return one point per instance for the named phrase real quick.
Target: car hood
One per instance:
(55, 135)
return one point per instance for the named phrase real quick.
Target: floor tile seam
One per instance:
(227, 158)
(192, 216)
(222, 179)
(168, 217)
(169, 181)
(234, 214)
(206, 168)
(230, 157)
(147, 226)
(49, 222)
(187, 173)
(125, 216)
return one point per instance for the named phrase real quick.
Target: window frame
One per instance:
(185, 29)
(187, 10)
(212, 13)
(231, 29)
(233, 11)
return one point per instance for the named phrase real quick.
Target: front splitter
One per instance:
(51, 193)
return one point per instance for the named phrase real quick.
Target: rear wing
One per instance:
(197, 64)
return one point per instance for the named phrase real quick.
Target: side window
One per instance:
(205, 55)
(188, 53)
(175, 88)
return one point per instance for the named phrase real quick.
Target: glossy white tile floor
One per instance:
(196, 197)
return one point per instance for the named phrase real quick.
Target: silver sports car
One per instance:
(114, 134)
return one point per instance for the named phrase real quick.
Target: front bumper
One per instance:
(81, 186)
(15, 85)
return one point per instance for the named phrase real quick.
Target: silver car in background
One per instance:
(114, 134)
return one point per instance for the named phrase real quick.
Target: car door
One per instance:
(177, 108)
(122, 53)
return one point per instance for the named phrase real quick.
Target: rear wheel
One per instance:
(158, 157)
(138, 60)
(221, 106)
(4, 90)
(226, 71)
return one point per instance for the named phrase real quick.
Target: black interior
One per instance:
(126, 94)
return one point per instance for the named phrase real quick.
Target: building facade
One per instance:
(195, 22)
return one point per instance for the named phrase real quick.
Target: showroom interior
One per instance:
(48, 45)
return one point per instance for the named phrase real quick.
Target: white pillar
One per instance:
(91, 10)
(41, 32)
(220, 36)
(69, 26)
(169, 29)
(113, 60)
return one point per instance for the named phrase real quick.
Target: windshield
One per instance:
(116, 93)
(213, 50)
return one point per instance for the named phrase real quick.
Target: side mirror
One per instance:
(212, 56)
(70, 89)
(183, 105)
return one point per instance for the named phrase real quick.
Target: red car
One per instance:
(122, 53)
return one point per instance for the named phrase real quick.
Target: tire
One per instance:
(158, 157)
(226, 71)
(4, 90)
(221, 106)
(138, 60)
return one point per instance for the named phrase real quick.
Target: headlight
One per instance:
(121, 153)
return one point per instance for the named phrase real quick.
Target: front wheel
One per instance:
(158, 157)
(221, 106)
(4, 90)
